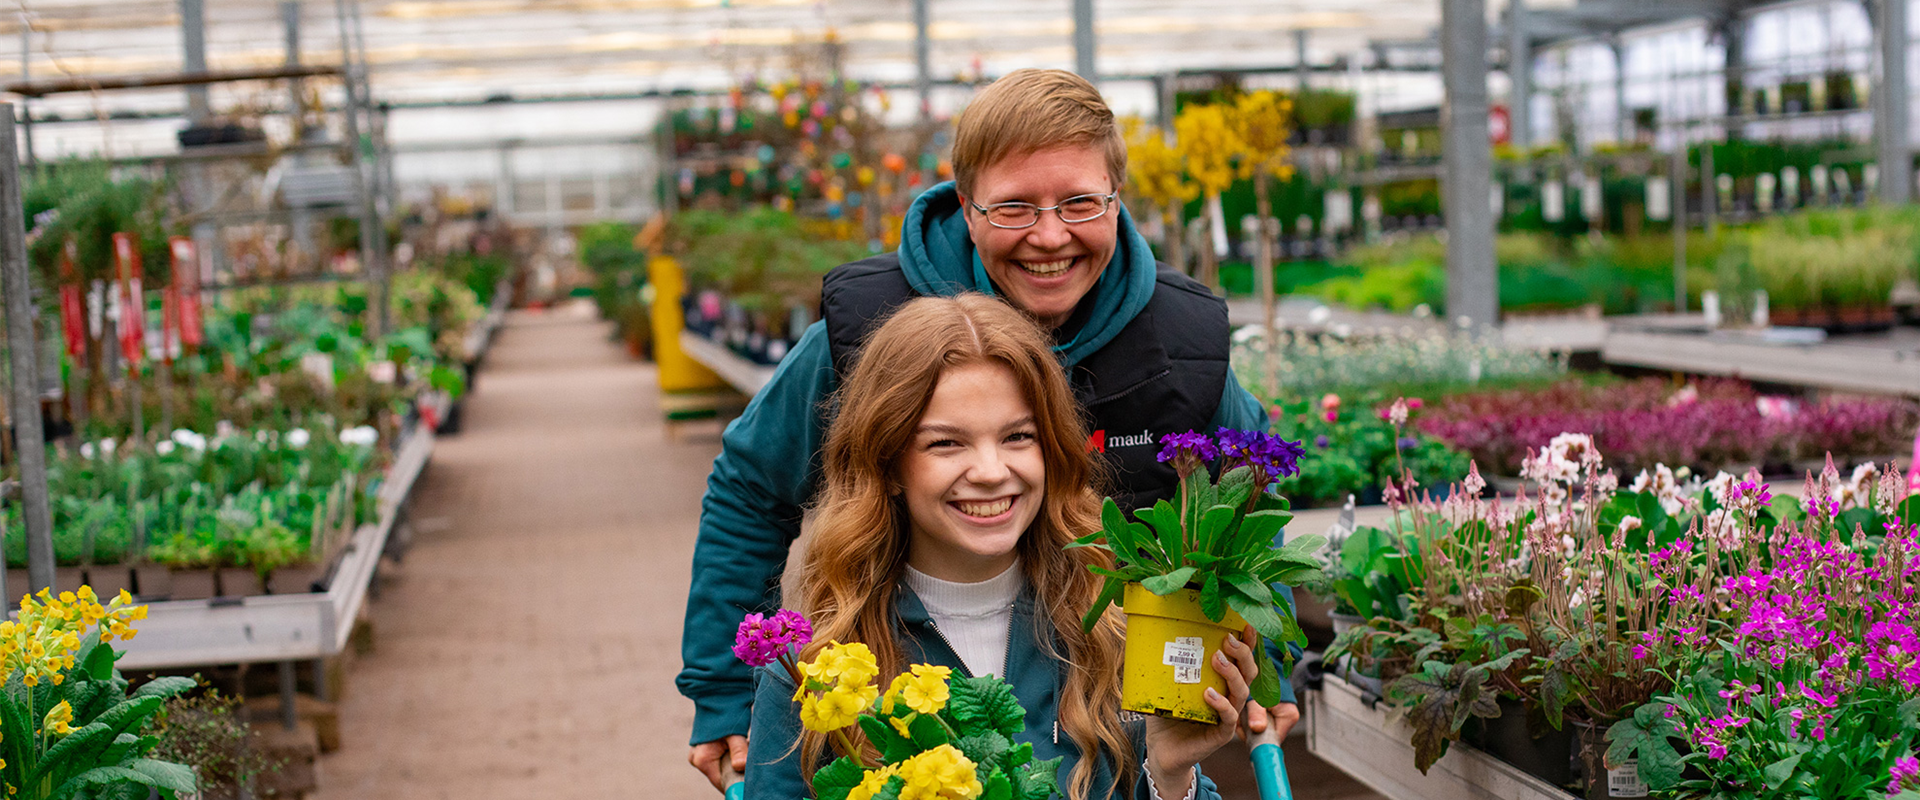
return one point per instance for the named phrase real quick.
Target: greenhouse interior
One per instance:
(943, 400)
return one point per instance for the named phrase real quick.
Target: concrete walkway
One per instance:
(527, 645)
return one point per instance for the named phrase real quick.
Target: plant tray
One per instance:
(1367, 743)
(282, 627)
(1882, 369)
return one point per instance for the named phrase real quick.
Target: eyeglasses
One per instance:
(1014, 216)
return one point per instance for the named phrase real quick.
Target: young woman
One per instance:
(955, 471)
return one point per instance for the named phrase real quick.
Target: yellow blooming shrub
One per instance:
(1263, 122)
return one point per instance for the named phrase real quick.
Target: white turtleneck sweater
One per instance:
(974, 617)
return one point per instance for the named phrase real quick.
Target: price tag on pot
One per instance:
(1624, 780)
(1184, 654)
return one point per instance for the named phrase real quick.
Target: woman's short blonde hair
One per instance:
(1030, 110)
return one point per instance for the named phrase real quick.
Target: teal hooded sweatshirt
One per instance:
(769, 464)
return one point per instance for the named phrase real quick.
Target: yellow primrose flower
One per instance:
(873, 783)
(842, 664)
(836, 708)
(59, 721)
(943, 773)
(923, 689)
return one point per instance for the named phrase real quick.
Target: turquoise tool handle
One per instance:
(1270, 770)
(738, 791)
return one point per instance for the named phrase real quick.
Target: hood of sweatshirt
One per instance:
(939, 259)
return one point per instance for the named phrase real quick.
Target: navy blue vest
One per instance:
(1165, 372)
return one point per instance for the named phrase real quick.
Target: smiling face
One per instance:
(973, 475)
(1045, 269)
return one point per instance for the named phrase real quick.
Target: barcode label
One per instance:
(1624, 780)
(1184, 654)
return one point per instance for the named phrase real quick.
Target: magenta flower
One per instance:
(762, 640)
(1905, 773)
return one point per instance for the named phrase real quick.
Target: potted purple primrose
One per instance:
(1191, 571)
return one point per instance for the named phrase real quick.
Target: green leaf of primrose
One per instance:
(1211, 604)
(1109, 593)
(1260, 615)
(1171, 582)
(1250, 586)
(1266, 685)
(985, 747)
(1165, 522)
(1213, 528)
(893, 747)
(997, 787)
(927, 732)
(834, 781)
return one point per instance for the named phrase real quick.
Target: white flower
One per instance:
(1664, 486)
(164, 447)
(107, 446)
(86, 450)
(297, 438)
(1397, 414)
(190, 440)
(1630, 523)
(364, 436)
(1687, 395)
(1722, 488)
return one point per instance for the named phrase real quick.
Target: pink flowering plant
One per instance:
(1218, 538)
(1793, 657)
(1584, 600)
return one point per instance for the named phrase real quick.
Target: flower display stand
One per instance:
(281, 627)
(1366, 742)
(742, 374)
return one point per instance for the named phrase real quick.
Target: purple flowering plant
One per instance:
(1221, 538)
(1794, 660)
(763, 640)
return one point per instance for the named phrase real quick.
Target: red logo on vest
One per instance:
(1097, 443)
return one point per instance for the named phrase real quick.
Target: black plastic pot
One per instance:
(1506, 737)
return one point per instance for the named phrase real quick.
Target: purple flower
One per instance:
(1187, 450)
(1905, 772)
(762, 640)
(1320, 441)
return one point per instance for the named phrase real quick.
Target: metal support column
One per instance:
(1677, 173)
(1519, 77)
(922, 61)
(1622, 125)
(372, 229)
(1083, 40)
(296, 88)
(26, 74)
(1472, 282)
(23, 393)
(1890, 117)
(1300, 68)
(289, 697)
(193, 41)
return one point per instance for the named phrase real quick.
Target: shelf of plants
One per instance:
(282, 627)
(1352, 732)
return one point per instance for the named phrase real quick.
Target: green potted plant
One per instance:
(1203, 566)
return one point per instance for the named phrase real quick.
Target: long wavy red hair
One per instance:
(859, 543)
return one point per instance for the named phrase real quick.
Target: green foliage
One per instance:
(107, 750)
(88, 201)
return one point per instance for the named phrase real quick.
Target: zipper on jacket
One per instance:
(1006, 658)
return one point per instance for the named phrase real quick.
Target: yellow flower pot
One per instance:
(1170, 647)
